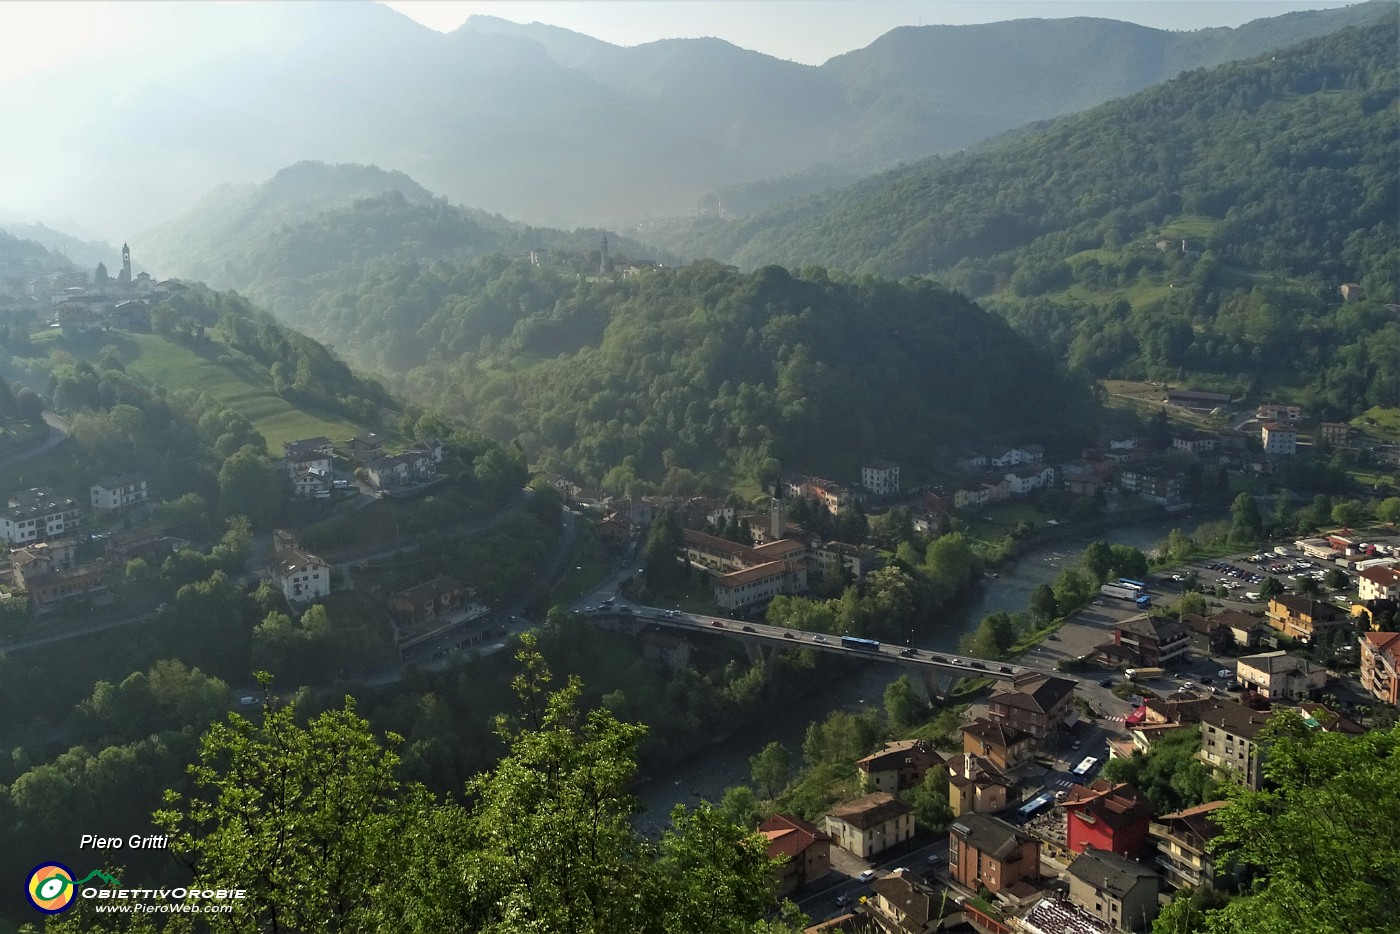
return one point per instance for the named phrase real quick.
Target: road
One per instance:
(780, 637)
(58, 433)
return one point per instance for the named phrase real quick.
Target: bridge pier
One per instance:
(758, 652)
(928, 680)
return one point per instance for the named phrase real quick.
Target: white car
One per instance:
(866, 876)
(1224, 673)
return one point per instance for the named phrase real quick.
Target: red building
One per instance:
(1106, 817)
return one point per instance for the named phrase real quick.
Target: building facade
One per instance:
(986, 851)
(871, 824)
(1380, 659)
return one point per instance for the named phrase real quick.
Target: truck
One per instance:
(1120, 591)
(1144, 674)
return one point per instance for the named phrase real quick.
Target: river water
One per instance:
(708, 773)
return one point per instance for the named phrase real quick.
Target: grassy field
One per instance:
(1379, 423)
(587, 570)
(238, 382)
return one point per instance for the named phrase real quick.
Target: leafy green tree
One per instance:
(662, 555)
(1336, 579)
(1129, 562)
(1388, 510)
(1320, 834)
(903, 705)
(1098, 560)
(1348, 513)
(262, 816)
(249, 486)
(1042, 603)
(1192, 602)
(932, 811)
(1168, 774)
(771, 769)
(1271, 587)
(1308, 586)
(1246, 524)
(740, 807)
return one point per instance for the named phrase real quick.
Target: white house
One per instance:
(1279, 438)
(880, 477)
(1378, 583)
(113, 493)
(302, 576)
(36, 514)
(400, 469)
(306, 454)
(311, 482)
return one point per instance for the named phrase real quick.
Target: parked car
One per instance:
(866, 876)
(842, 901)
(1224, 673)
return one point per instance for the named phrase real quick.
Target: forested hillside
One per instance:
(313, 227)
(1279, 174)
(1292, 152)
(543, 124)
(701, 369)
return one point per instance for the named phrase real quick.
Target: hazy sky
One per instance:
(35, 34)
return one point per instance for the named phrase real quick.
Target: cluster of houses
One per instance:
(308, 464)
(1117, 852)
(72, 302)
(782, 560)
(41, 530)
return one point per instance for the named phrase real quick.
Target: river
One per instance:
(708, 773)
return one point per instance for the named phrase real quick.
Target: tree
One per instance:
(771, 769)
(249, 486)
(1348, 513)
(932, 811)
(1042, 603)
(662, 554)
(739, 806)
(262, 817)
(1192, 603)
(1336, 579)
(1271, 587)
(1308, 586)
(1321, 834)
(1388, 510)
(903, 705)
(1098, 560)
(1129, 562)
(1246, 524)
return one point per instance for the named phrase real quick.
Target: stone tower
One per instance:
(126, 265)
(603, 260)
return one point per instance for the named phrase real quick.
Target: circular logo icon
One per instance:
(51, 888)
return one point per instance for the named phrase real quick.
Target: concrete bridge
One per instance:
(937, 672)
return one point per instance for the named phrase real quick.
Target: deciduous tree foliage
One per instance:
(1321, 835)
(314, 822)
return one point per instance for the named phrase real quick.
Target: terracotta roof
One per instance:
(1158, 627)
(749, 575)
(1117, 806)
(788, 835)
(972, 769)
(1041, 693)
(898, 754)
(871, 810)
(1301, 606)
(1384, 643)
(1194, 825)
(996, 734)
(1383, 576)
(1235, 719)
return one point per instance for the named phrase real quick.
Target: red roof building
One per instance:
(803, 847)
(1106, 817)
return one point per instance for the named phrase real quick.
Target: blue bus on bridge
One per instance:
(865, 645)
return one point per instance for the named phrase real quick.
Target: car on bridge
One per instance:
(717, 624)
(749, 629)
(821, 639)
